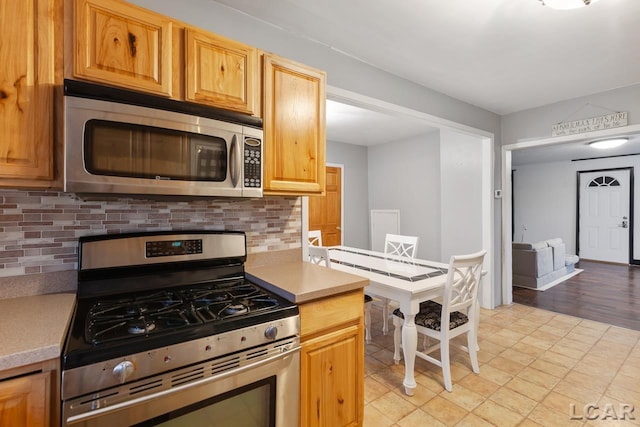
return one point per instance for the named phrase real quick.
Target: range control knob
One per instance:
(271, 332)
(124, 370)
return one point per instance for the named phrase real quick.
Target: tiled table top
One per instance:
(386, 265)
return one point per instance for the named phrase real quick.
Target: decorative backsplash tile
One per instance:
(39, 230)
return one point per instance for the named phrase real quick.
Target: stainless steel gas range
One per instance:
(168, 331)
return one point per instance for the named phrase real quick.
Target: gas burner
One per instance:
(141, 327)
(235, 309)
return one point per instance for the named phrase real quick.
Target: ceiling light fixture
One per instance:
(566, 4)
(608, 143)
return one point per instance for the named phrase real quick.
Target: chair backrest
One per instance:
(315, 237)
(396, 244)
(319, 255)
(463, 281)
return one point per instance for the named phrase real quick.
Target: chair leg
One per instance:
(397, 334)
(367, 322)
(472, 345)
(385, 316)
(446, 363)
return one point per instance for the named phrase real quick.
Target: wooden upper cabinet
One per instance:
(27, 76)
(123, 45)
(221, 72)
(294, 127)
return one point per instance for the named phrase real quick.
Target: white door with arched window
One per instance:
(604, 221)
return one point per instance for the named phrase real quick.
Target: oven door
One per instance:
(261, 394)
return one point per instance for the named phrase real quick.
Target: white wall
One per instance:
(545, 199)
(461, 194)
(405, 175)
(355, 191)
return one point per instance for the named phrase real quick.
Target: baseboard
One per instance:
(553, 282)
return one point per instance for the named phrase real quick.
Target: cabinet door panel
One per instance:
(331, 378)
(123, 45)
(26, 89)
(294, 127)
(220, 72)
(24, 401)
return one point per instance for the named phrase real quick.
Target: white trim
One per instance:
(507, 286)
(305, 228)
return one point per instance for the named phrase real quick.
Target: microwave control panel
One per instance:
(252, 163)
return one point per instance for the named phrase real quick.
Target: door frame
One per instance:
(630, 255)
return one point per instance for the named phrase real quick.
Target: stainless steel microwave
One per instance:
(121, 142)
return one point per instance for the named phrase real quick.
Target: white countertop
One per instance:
(33, 328)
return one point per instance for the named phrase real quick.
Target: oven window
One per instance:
(137, 151)
(253, 405)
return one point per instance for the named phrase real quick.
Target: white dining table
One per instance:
(408, 281)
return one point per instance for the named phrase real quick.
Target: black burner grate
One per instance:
(156, 312)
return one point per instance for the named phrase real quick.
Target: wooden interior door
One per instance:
(325, 212)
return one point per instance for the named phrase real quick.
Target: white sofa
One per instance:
(537, 264)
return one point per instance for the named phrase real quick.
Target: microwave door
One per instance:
(211, 163)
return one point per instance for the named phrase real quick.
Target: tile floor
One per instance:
(537, 368)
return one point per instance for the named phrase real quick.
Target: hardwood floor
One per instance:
(602, 292)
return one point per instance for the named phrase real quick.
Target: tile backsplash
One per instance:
(39, 230)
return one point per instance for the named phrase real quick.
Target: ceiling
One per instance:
(501, 55)
(354, 125)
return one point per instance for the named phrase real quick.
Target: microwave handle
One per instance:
(235, 160)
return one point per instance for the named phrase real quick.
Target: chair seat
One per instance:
(367, 298)
(430, 313)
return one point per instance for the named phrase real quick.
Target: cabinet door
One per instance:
(331, 379)
(294, 127)
(27, 61)
(221, 72)
(123, 45)
(24, 401)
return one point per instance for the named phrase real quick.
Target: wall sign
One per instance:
(608, 121)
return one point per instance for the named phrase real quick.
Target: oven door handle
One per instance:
(119, 406)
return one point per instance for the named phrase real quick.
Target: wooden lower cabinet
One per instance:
(332, 361)
(25, 401)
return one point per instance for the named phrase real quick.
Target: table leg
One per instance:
(409, 347)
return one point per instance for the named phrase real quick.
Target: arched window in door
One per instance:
(604, 181)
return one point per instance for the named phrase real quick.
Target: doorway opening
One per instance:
(484, 178)
(507, 185)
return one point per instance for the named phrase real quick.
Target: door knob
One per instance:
(625, 222)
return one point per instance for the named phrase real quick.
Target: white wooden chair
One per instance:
(396, 244)
(315, 237)
(404, 246)
(459, 311)
(319, 255)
